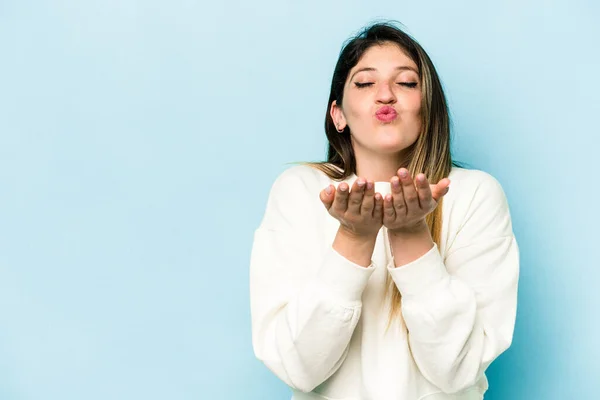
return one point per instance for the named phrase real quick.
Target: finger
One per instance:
(356, 196)
(368, 199)
(327, 196)
(441, 189)
(411, 198)
(378, 208)
(340, 203)
(398, 197)
(389, 214)
(424, 192)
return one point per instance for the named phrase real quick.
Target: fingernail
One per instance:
(403, 173)
(395, 182)
(360, 183)
(343, 188)
(328, 190)
(421, 178)
(369, 185)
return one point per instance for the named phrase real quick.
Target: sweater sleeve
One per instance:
(305, 297)
(460, 312)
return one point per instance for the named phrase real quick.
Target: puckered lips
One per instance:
(386, 114)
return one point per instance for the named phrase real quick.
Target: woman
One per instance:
(371, 278)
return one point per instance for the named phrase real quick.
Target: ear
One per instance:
(337, 115)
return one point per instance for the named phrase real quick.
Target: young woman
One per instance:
(388, 271)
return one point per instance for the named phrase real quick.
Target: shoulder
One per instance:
(475, 186)
(477, 197)
(474, 180)
(294, 194)
(299, 180)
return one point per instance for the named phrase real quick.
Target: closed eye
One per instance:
(407, 84)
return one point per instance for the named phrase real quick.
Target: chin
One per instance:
(389, 148)
(388, 142)
(391, 141)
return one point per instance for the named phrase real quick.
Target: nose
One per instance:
(385, 94)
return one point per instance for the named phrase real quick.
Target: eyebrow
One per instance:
(400, 68)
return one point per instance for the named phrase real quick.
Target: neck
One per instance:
(378, 167)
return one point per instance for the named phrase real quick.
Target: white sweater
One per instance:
(319, 320)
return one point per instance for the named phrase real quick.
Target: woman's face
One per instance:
(382, 101)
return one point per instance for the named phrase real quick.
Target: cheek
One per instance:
(357, 109)
(413, 103)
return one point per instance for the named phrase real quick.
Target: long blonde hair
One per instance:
(430, 154)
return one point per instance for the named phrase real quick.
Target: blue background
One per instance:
(139, 139)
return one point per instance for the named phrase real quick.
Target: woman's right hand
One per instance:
(359, 211)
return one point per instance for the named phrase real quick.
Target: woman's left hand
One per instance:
(411, 200)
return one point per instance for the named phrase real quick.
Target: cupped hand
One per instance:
(359, 211)
(411, 200)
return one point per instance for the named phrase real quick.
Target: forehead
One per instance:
(384, 55)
